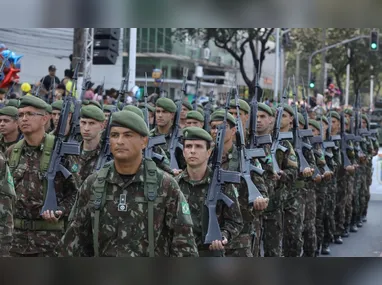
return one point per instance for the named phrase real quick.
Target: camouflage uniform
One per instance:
(166, 148)
(32, 235)
(5, 145)
(87, 162)
(249, 238)
(350, 191)
(7, 201)
(333, 160)
(125, 233)
(230, 219)
(294, 210)
(371, 147)
(273, 218)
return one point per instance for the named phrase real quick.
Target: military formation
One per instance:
(179, 179)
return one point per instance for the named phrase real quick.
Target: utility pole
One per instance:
(132, 58)
(347, 81)
(323, 59)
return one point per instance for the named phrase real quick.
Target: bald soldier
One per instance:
(195, 182)
(9, 129)
(130, 208)
(194, 119)
(36, 235)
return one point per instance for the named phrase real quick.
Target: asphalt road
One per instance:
(367, 242)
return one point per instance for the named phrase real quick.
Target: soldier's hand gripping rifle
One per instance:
(176, 132)
(300, 136)
(219, 178)
(61, 149)
(105, 154)
(153, 141)
(247, 155)
(278, 136)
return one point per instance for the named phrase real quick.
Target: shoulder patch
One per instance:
(10, 178)
(74, 168)
(293, 157)
(185, 208)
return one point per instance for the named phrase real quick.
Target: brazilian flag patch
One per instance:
(10, 179)
(185, 208)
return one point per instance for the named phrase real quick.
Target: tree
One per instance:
(234, 41)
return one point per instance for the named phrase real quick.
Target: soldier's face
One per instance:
(335, 126)
(314, 131)
(126, 145)
(229, 133)
(195, 152)
(324, 128)
(244, 117)
(31, 120)
(163, 118)
(107, 115)
(8, 125)
(194, 123)
(364, 124)
(90, 129)
(264, 121)
(286, 120)
(56, 117)
(301, 126)
(183, 113)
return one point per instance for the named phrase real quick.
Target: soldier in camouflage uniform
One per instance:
(194, 182)
(56, 113)
(165, 114)
(332, 158)
(7, 202)
(248, 243)
(49, 127)
(36, 234)
(9, 129)
(320, 187)
(130, 208)
(91, 125)
(294, 206)
(186, 107)
(151, 110)
(194, 119)
(107, 109)
(272, 216)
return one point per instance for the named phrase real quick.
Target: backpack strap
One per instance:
(150, 190)
(15, 155)
(99, 190)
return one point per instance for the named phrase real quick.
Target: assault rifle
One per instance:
(197, 87)
(246, 155)
(153, 141)
(300, 136)
(121, 91)
(345, 146)
(219, 178)
(61, 148)
(207, 111)
(278, 136)
(319, 140)
(357, 122)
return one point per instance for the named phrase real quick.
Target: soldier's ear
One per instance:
(145, 141)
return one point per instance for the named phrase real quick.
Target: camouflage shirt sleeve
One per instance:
(178, 219)
(7, 202)
(78, 238)
(230, 218)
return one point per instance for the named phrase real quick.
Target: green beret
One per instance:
(334, 114)
(130, 120)
(142, 106)
(219, 116)
(166, 104)
(195, 133)
(324, 118)
(13, 103)
(49, 108)
(92, 102)
(274, 111)
(315, 124)
(364, 116)
(348, 112)
(301, 119)
(9, 111)
(134, 109)
(120, 105)
(57, 105)
(265, 108)
(195, 115)
(201, 111)
(242, 105)
(186, 104)
(108, 108)
(32, 101)
(92, 112)
(289, 109)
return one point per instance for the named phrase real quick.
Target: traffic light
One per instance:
(312, 82)
(374, 40)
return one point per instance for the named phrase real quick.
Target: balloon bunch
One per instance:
(9, 66)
